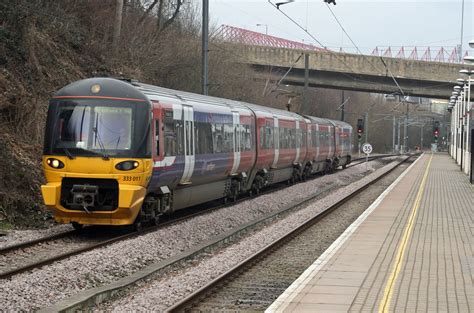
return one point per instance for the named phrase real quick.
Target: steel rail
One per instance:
(30, 243)
(186, 303)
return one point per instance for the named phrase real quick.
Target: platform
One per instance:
(411, 251)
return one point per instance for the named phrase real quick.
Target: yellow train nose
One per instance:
(95, 191)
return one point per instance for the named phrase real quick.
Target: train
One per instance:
(121, 152)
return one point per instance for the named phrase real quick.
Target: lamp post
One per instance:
(458, 120)
(462, 31)
(266, 27)
(467, 132)
(453, 100)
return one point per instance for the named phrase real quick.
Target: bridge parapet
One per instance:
(349, 63)
(356, 72)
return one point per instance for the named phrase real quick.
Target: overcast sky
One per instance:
(369, 23)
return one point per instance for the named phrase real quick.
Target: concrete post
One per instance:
(393, 133)
(421, 136)
(205, 47)
(306, 84)
(366, 127)
(405, 129)
(398, 139)
(342, 106)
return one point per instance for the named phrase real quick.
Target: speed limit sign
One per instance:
(367, 148)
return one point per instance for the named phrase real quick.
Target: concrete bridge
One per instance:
(352, 71)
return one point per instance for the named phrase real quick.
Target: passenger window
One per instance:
(269, 137)
(173, 135)
(204, 138)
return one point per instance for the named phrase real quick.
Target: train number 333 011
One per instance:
(131, 178)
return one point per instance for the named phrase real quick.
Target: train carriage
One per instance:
(118, 152)
(343, 145)
(280, 146)
(322, 146)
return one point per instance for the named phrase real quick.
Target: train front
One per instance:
(97, 152)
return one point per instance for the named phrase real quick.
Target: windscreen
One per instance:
(97, 128)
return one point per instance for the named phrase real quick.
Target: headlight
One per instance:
(55, 163)
(127, 165)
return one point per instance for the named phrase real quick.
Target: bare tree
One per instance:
(166, 12)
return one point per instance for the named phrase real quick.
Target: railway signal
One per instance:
(360, 128)
(436, 131)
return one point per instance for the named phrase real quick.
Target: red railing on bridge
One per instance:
(248, 37)
(441, 54)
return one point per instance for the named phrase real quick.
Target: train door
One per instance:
(189, 150)
(158, 134)
(276, 134)
(339, 133)
(329, 141)
(236, 145)
(298, 141)
(316, 141)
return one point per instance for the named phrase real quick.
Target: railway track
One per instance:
(41, 240)
(361, 160)
(29, 255)
(229, 292)
(33, 254)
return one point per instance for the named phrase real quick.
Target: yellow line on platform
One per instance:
(387, 297)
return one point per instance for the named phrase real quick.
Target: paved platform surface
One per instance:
(411, 251)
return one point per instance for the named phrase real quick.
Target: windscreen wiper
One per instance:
(69, 154)
(105, 156)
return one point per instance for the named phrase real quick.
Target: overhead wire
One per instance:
(393, 77)
(322, 45)
(350, 38)
(365, 57)
(335, 54)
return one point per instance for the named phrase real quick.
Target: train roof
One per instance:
(108, 87)
(319, 120)
(133, 90)
(155, 91)
(325, 121)
(341, 124)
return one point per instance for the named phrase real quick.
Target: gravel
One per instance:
(47, 285)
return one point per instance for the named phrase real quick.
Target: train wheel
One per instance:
(255, 190)
(155, 220)
(77, 226)
(138, 224)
